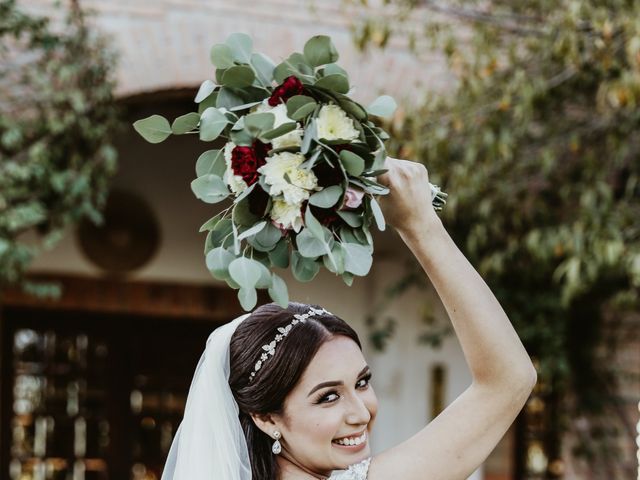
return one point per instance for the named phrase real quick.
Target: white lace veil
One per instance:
(209, 443)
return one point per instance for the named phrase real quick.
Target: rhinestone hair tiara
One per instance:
(270, 348)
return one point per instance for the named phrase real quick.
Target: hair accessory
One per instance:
(270, 348)
(276, 448)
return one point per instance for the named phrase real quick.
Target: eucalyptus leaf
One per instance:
(266, 239)
(334, 262)
(383, 106)
(265, 280)
(153, 129)
(351, 218)
(245, 193)
(303, 269)
(353, 164)
(279, 256)
(347, 278)
(283, 129)
(239, 76)
(377, 214)
(185, 123)
(212, 124)
(241, 46)
(211, 161)
(334, 82)
(248, 298)
(206, 89)
(320, 50)
(252, 231)
(309, 245)
(228, 98)
(209, 188)
(310, 134)
(357, 259)
(245, 271)
(327, 197)
(313, 225)
(242, 214)
(256, 123)
(218, 261)
(221, 56)
(264, 67)
(278, 291)
(210, 101)
(300, 106)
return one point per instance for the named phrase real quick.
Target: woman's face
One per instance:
(332, 400)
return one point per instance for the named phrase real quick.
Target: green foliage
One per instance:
(539, 141)
(56, 119)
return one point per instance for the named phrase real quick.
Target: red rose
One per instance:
(290, 87)
(245, 161)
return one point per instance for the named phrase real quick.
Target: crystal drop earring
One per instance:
(276, 448)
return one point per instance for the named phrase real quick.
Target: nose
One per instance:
(358, 413)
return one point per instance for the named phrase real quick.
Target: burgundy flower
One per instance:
(327, 175)
(290, 87)
(245, 161)
(326, 216)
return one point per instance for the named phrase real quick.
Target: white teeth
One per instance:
(352, 441)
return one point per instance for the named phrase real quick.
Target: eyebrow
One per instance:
(335, 383)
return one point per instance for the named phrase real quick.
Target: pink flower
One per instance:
(353, 198)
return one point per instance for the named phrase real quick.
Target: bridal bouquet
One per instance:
(298, 159)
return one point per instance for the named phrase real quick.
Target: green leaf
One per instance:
(309, 245)
(220, 236)
(310, 133)
(303, 269)
(313, 225)
(153, 129)
(320, 50)
(327, 197)
(347, 278)
(279, 256)
(335, 82)
(221, 56)
(264, 67)
(265, 280)
(335, 262)
(245, 193)
(352, 108)
(278, 132)
(211, 161)
(353, 219)
(377, 214)
(248, 298)
(239, 76)
(210, 101)
(185, 123)
(383, 106)
(252, 231)
(228, 99)
(245, 272)
(266, 239)
(256, 123)
(218, 261)
(241, 46)
(212, 124)
(357, 259)
(242, 214)
(210, 224)
(353, 164)
(299, 106)
(206, 89)
(333, 68)
(278, 291)
(209, 188)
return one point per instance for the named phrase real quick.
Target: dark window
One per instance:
(93, 396)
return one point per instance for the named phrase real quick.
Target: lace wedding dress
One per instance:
(357, 471)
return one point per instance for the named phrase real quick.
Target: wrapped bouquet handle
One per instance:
(298, 160)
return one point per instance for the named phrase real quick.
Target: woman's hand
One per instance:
(408, 206)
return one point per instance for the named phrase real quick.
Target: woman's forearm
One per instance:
(490, 344)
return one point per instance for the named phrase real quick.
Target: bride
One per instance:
(285, 394)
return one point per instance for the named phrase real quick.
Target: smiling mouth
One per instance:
(352, 441)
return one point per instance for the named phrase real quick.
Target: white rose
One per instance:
(235, 182)
(286, 214)
(300, 181)
(334, 124)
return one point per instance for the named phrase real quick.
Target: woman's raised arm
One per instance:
(456, 442)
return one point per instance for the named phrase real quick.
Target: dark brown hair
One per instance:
(279, 374)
